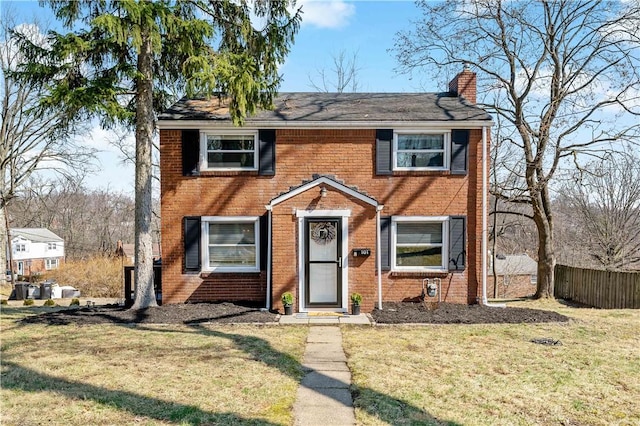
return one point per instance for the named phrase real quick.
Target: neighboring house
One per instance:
(318, 194)
(35, 250)
(516, 275)
(127, 251)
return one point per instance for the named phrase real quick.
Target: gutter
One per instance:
(379, 256)
(485, 188)
(269, 255)
(209, 124)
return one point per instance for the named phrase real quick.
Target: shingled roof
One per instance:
(37, 235)
(339, 107)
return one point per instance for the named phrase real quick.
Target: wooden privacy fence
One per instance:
(601, 289)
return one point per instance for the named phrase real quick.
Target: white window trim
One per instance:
(204, 242)
(446, 142)
(444, 220)
(48, 264)
(204, 163)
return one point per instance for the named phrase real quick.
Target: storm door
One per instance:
(323, 262)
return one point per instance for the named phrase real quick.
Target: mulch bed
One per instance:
(450, 313)
(191, 313)
(195, 313)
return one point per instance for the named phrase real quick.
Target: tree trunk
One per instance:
(546, 255)
(143, 273)
(5, 246)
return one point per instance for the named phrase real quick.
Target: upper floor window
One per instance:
(421, 151)
(419, 243)
(230, 244)
(51, 246)
(229, 151)
(20, 247)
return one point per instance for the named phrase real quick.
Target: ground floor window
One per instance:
(419, 243)
(51, 264)
(230, 244)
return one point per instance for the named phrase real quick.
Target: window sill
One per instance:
(228, 173)
(209, 274)
(420, 172)
(419, 274)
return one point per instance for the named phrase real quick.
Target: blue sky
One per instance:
(329, 27)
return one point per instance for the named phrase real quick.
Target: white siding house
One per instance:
(35, 250)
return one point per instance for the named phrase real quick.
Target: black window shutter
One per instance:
(457, 243)
(384, 149)
(267, 152)
(264, 240)
(192, 244)
(190, 152)
(385, 242)
(459, 152)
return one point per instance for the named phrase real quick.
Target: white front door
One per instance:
(20, 268)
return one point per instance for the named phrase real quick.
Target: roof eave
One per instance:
(278, 124)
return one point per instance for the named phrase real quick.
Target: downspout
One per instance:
(485, 187)
(269, 218)
(379, 255)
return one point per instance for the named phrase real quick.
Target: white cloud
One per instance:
(327, 14)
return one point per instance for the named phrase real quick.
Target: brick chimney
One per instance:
(464, 85)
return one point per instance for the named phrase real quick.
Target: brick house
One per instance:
(35, 251)
(516, 275)
(325, 195)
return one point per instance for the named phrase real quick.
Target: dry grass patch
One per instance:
(110, 374)
(495, 375)
(98, 276)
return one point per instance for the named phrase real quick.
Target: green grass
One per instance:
(151, 375)
(494, 374)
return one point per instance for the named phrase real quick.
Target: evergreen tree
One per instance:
(121, 59)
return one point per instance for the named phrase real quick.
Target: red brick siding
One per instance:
(518, 286)
(349, 154)
(35, 266)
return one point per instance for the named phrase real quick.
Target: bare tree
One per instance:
(90, 221)
(606, 202)
(563, 74)
(30, 138)
(342, 77)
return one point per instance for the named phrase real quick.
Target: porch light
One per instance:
(323, 192)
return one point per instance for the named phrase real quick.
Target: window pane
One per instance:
(420, 142)
(420, 159)
(232, 233)
(323, 280)
(232, 256)
(230, 159)
(234, 143)
(419, 256)
(419, 233)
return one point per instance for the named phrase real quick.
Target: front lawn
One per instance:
(150, 375)
(495, 374)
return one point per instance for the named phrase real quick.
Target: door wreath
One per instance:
(323, 232)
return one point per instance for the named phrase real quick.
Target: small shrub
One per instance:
(287, 298)
(49, 302)
(28, 302)
(75, 302)
(356, 299)
(4, 302)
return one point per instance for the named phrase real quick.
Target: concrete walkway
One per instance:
(324, 319)
(324, 397)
